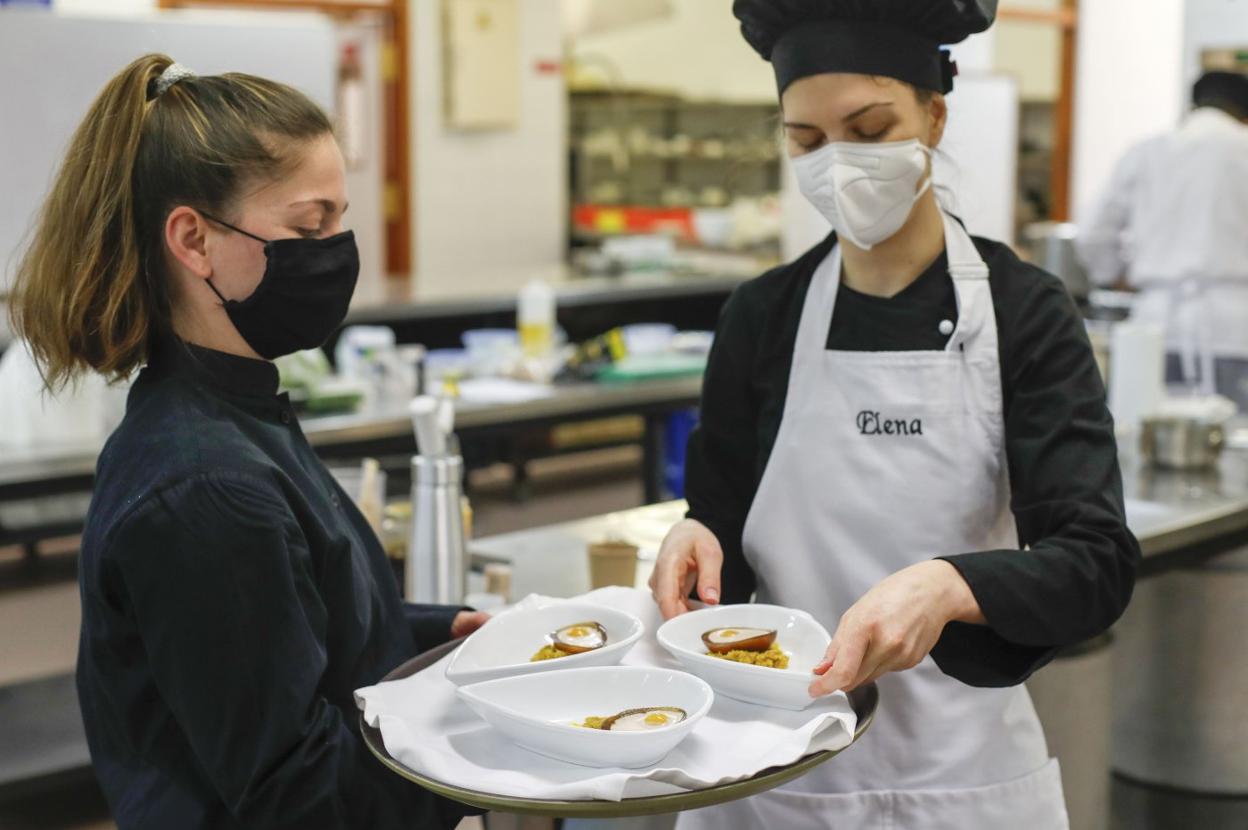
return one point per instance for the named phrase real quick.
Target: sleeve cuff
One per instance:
(982, 571)
(431, 624)
(980, 655)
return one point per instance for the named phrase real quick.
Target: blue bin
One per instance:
(675, 442)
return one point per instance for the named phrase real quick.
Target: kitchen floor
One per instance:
(39, 617)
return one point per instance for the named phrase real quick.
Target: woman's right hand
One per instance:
(689, 555)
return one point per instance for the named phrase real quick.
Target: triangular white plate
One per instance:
(503, 646)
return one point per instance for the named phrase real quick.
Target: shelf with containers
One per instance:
(647, 162)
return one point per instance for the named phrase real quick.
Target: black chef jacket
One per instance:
(1077, 574)
(232, 600)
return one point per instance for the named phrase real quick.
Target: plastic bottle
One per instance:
(536, 318)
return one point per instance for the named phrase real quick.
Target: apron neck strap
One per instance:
(970, 282)
(965, 263)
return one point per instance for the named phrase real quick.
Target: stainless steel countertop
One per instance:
(565, 401)
(1169, 512)
(21, 465)
(400, 299)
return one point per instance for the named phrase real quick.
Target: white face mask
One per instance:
(865, 190)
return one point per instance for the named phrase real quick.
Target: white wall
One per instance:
(296, 49)
(364, 184)
(1211, 24)
(697, 51)
(120, 8)
(1130, 84)
(488, 201)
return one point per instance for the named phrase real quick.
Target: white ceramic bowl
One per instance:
(502, 647)
(798, 634)
(539, 712)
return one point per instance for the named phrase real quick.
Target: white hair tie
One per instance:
(173, 73)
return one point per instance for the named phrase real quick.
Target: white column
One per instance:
(1129, 84)
(488, 204)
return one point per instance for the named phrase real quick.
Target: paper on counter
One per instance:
(427, 729)
(502, 391)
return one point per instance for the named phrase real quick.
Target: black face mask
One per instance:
(302, 297)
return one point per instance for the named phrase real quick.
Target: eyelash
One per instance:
(864, 136)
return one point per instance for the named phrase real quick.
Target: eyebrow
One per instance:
(799, 125)
(865, 109)
(329, 204)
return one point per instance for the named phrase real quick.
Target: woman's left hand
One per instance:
(466, 622)
(894, 625)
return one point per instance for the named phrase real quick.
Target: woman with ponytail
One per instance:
(232, 596)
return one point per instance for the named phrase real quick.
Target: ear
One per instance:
(186, 237)
(938, 114)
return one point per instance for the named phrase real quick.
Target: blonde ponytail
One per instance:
(78, 299)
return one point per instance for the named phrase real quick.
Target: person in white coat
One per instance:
(904, 433)
(1173, 224)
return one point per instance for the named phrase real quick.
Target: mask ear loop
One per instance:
(234, 228)
(215, 291)
(928, 184)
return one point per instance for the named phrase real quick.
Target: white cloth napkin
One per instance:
(427, 729)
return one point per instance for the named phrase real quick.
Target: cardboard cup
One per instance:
(612, 563)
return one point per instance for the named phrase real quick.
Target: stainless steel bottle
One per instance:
(437, 564)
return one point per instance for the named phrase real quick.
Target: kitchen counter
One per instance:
(383, 300)
(1180, 519)
(1183, 518)
(32, 471)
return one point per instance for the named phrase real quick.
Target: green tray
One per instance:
(864, 702)
(652, 367)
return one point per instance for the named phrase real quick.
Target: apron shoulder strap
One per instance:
(970, 283)
(965, 263)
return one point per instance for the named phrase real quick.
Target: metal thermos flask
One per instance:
(436, 565)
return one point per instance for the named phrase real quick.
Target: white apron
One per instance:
(884, 460)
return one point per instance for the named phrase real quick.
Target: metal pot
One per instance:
(1181, 443)
(1052, 247)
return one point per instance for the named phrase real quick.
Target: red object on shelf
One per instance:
(620, 219)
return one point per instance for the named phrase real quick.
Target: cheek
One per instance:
(239, 270)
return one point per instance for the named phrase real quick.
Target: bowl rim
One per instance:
(680, 652)
(637, 630)
(708, 701)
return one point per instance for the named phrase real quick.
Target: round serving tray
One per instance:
(863, 700)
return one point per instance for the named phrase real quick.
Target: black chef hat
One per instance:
(894, 38)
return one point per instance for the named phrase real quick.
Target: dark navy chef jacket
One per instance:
(233, 598)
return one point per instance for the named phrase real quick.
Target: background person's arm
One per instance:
(1102, 241)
